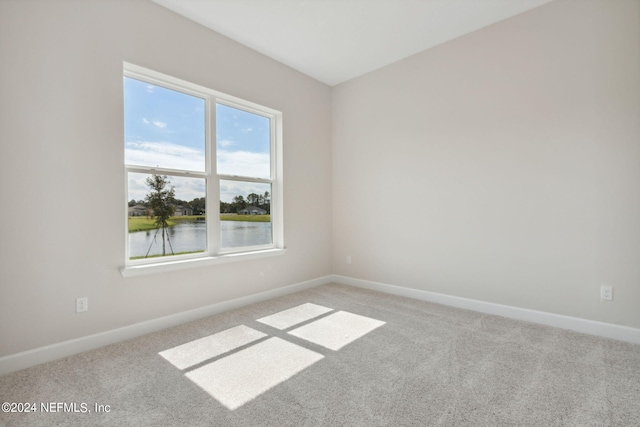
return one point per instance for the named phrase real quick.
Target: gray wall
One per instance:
(503, 166)
(62, 176)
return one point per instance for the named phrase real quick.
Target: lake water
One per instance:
(189, 236)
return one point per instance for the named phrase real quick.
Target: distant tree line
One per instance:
(262, 201)
(198, 205)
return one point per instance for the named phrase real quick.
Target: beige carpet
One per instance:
(337, 355)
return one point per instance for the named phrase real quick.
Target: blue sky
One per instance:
(166, 128)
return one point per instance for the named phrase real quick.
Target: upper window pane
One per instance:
(163, 128)
(243, 143)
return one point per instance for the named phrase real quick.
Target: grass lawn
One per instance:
(142, 223)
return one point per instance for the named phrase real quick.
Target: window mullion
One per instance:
(213, 182)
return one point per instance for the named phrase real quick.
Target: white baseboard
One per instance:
(26, 359)
(592, 327)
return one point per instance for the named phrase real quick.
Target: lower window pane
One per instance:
(162, 222)
(245, 214)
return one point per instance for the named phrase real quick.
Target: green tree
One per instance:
(225, 207)
(266, 202)
(253, 199)
(161, 200)
(198, 205)
(238, 203)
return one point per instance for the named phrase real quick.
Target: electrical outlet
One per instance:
(82, 304)
(348, 259)
(606, 293)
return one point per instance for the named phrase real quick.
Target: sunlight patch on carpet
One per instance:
(250, 365)
(287, 318)
(239, 378)
(337, 330)
(197, 351)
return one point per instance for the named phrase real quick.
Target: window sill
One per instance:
(144, 269)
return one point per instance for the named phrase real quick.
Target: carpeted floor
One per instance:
(342, 356)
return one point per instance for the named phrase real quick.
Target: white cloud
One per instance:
(244, 163)
(160, 124)
(137, 187)
(188, 189)
(145, 121)
(226, 143)
(247, 130)
(164, 154)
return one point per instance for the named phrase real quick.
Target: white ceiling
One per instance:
(337, 40)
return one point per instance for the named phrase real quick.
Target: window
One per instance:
(203, 172)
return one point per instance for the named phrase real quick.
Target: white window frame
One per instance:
(213, 254)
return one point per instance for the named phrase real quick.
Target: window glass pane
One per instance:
(245, 214)
(163, 128)
(186, 230)
(243, 143)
